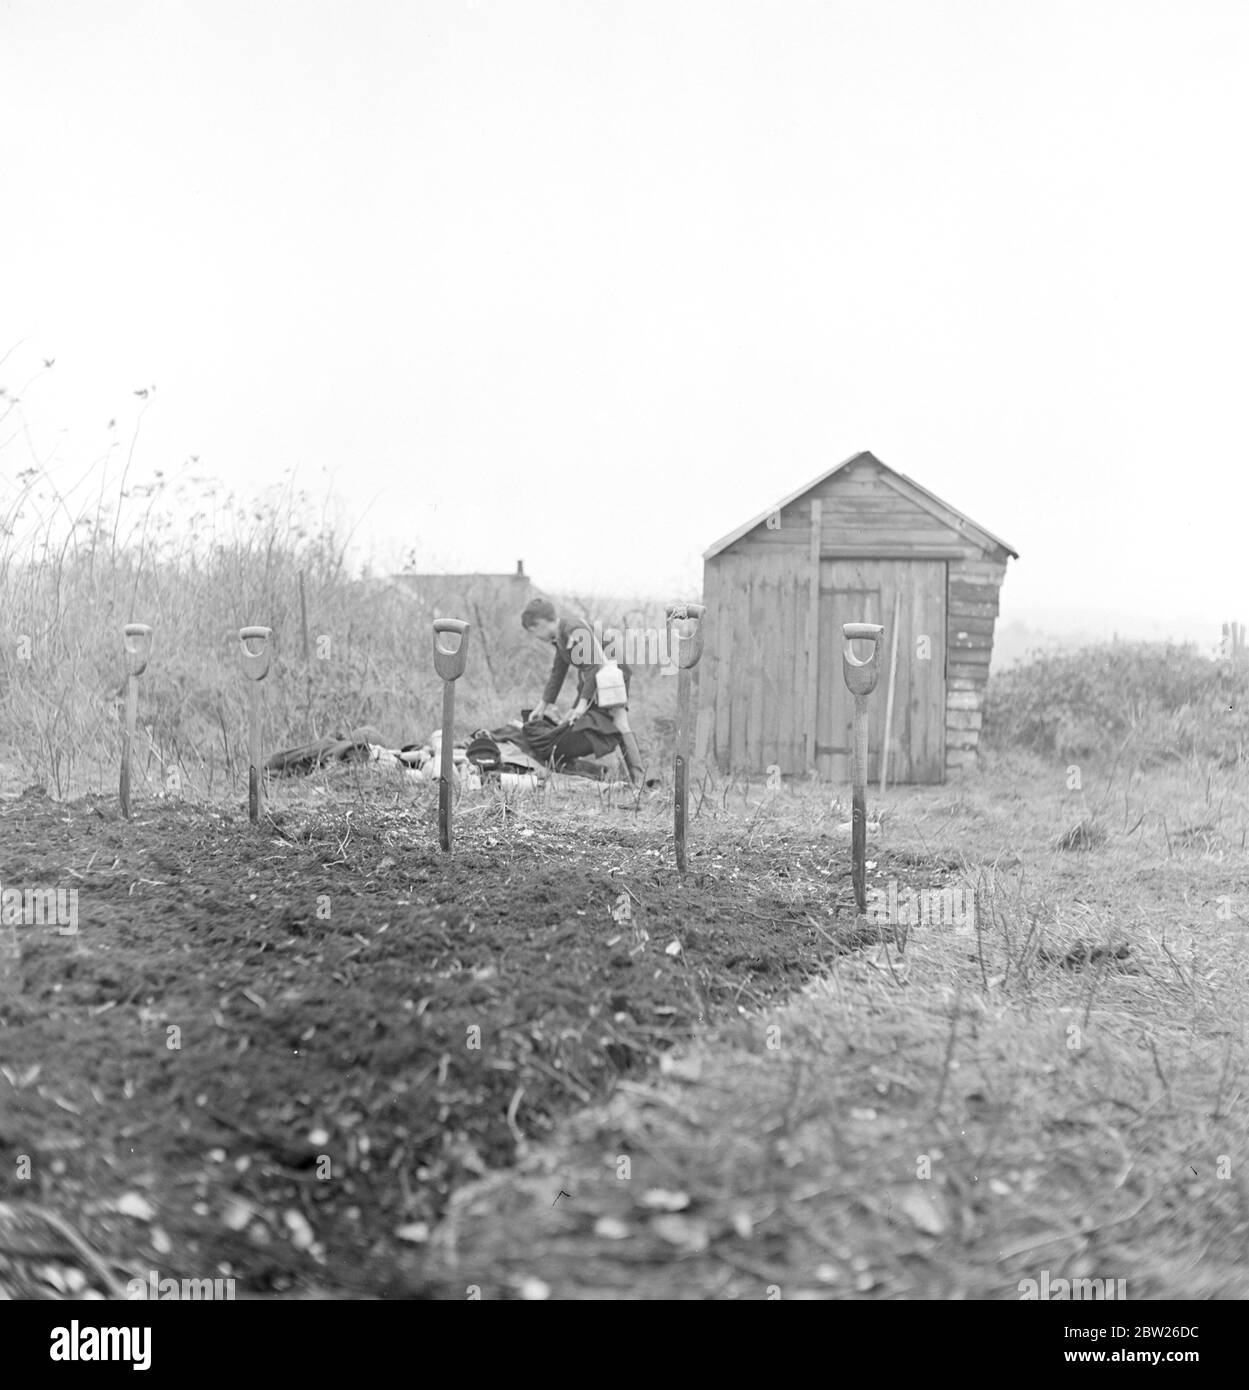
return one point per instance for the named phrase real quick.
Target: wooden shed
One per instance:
(843, 549)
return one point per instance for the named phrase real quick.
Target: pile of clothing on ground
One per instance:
(520, 754)
(363, 744)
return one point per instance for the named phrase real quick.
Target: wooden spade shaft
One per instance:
(681, 771)
(858, 775)
(893, 677)
(255, 789)
(447, 766)
(860, 678)
(689, 650)
(138, 643)
(449, 664)
(132, 718)
(255, 668)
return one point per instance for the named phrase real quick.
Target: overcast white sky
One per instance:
(591, 283)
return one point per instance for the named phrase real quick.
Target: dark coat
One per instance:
(575, 646)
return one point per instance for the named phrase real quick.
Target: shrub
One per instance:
(1160, 701)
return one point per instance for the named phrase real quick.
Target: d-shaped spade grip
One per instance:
(450, 663)
(689, 644)
(860, 675)
(689, 647)
(255, 668)
(450, 666)
(255, 664)
(138, 641)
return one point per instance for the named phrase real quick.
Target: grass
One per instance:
(947, 1120)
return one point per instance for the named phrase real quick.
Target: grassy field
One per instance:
(1058, 1093)
(388, 1064)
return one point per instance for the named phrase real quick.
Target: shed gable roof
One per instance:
(951, 515)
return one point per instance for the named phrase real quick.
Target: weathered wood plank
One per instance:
(992, 570)
(962, 608)
(900, 543)
(876, 507)
(877, 522)
(757, 670)
(867, 503)
(843, 598)
(887, 550)
(796, 516)
(886, 521)
(709, 664)
(761, 541)
(948, 517)
(813, 631)
(739, 678)
(929, 583)
(848, 485)
(776, 675)
(797, 663)
(732, 599)
(722, 698)
(784, 619)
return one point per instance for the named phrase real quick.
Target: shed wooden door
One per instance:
(862, 591)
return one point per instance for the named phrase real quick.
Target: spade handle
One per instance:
(689, 644)
(449, 662)
(138, 641)
(255, 663)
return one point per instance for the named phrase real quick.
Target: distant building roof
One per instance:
(408, 577)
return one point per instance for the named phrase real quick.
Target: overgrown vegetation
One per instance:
(196, 562)
(1149, 701)
(1053, 1092)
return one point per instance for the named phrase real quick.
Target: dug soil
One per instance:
(273, 1053)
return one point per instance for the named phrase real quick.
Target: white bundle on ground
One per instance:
(520, 781)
